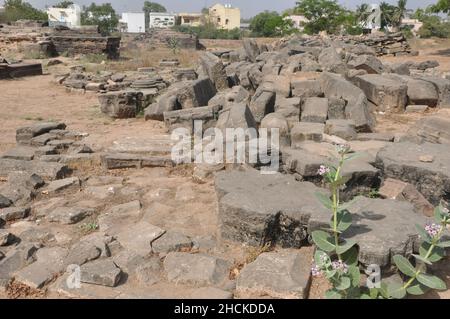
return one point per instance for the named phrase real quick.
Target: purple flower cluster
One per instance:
(433, 229)
(316, 271)
(340, 265)
(323, 170)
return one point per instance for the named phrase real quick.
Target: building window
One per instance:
(227, 21)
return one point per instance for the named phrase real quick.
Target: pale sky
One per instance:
(248, 8)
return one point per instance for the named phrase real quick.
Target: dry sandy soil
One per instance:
(25, 100)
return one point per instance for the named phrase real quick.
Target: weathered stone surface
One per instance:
(251, 48)
(306, 88)
(63, 184)
(14, 213)
(256, 209)
(315, 110)
(48, 265)
(139, 237)
(385, 92)
(185, 118)
(402, 161)
(342, 128)
(29, 180)
(4, 202)
(16, 259)
(382, 228)
(416, 108)
(224, 99)
(5, 237)
(26, 133)
(277, 121)
(368, 63)
(284, 275)
(356, 107)
(123, 160)
(385, 137)
(421, 92)
(214, 68)
(443, 88)
(237, 116)
(262, 103)
(432, 129)
(336, 109)
(279, 84)
(119, 216)
(196, 269)
(149, 272)
(395, 189)
(43, 169)
(69, 215)
(23, 153)
(101, 272)
(306, 131)
(302, 162)
(171, 241)
(331, 61)
(82, 252)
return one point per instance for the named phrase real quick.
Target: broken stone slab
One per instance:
(16, 259)
(119, 217)
(5, 202)
(226, 98)
(62, 287)
(123, 160)
(342, 128)
(252, 49)
(398, 190)
(416, 108)
(279, 84)
(101, 272)
(156, 145)
(331, 61)
(421, 92)
(120, 104)
(28, 180)
(432, 129)
(19, 195)
(26, 133)
(384, 137)
(443, 89)
(69, 215)
(402, 161)
(305, 131)
(237, 116)
(281, 275)
(14, 213)
(139, 237)
(278, 122)
(262, 103)
(82, 252)
(336, 109)
(386, 93)
(196, 269)
(315, 110)
(171, 241)
(356, 107)
(48, 265)
(42, 140)
(306, 88)
(149, 271)
(185, 118)
(214, 68)
(44, 169)
(256, 209)
(23, 153)
(6, 237)
(382, 228)
(302, 162)
(368, 63)
(63, 184)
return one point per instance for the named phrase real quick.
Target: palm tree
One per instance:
(387, 14)
(399, 14)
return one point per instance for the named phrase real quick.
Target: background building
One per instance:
(225, 16)
(161, 20)
(190, 19)
(134, 22)
(69, 17)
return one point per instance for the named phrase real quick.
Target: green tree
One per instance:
(104, 16)
(270, 24)
(19, 10)
(323, 15)
(440, 6)
(63, 4)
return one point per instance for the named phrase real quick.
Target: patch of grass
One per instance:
(89, 227)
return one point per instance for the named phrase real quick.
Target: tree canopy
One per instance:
(19, 10)
(153, 7)
(323, 15)
(102, 15)
(63, 4)
(269, 24)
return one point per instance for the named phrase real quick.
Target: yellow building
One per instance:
(190, 19)
(225, 16)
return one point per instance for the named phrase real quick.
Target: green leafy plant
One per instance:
(337, 258)
(174, 45)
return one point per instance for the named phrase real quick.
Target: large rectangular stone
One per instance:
(44, 169)
(315, 110)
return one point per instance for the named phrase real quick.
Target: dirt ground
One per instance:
(31, 99)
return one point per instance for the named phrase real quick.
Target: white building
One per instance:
(297, 21)
(161, 20)
(134, 22)
(70, 17)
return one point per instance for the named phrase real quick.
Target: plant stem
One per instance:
(336, 202)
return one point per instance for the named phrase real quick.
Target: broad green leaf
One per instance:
(330, 273)
(431, 281)
(404, 265)
(373, 293)
(324, 199)
(344, 179)
(355, 275)
(384, 290)
(342, 283)
(350, 257)
(366, 296)
(344, 220)
(420, 258)
(444, 244)
(396, 290)
(437, 253)
(416, 289)
(345, 246)
(317, 258)
(438, 216)
(423, 234)
(333, 294)
(353, 156)
(323, 240)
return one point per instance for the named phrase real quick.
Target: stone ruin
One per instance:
(51, 42)
(317, 94)
(14, 70)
